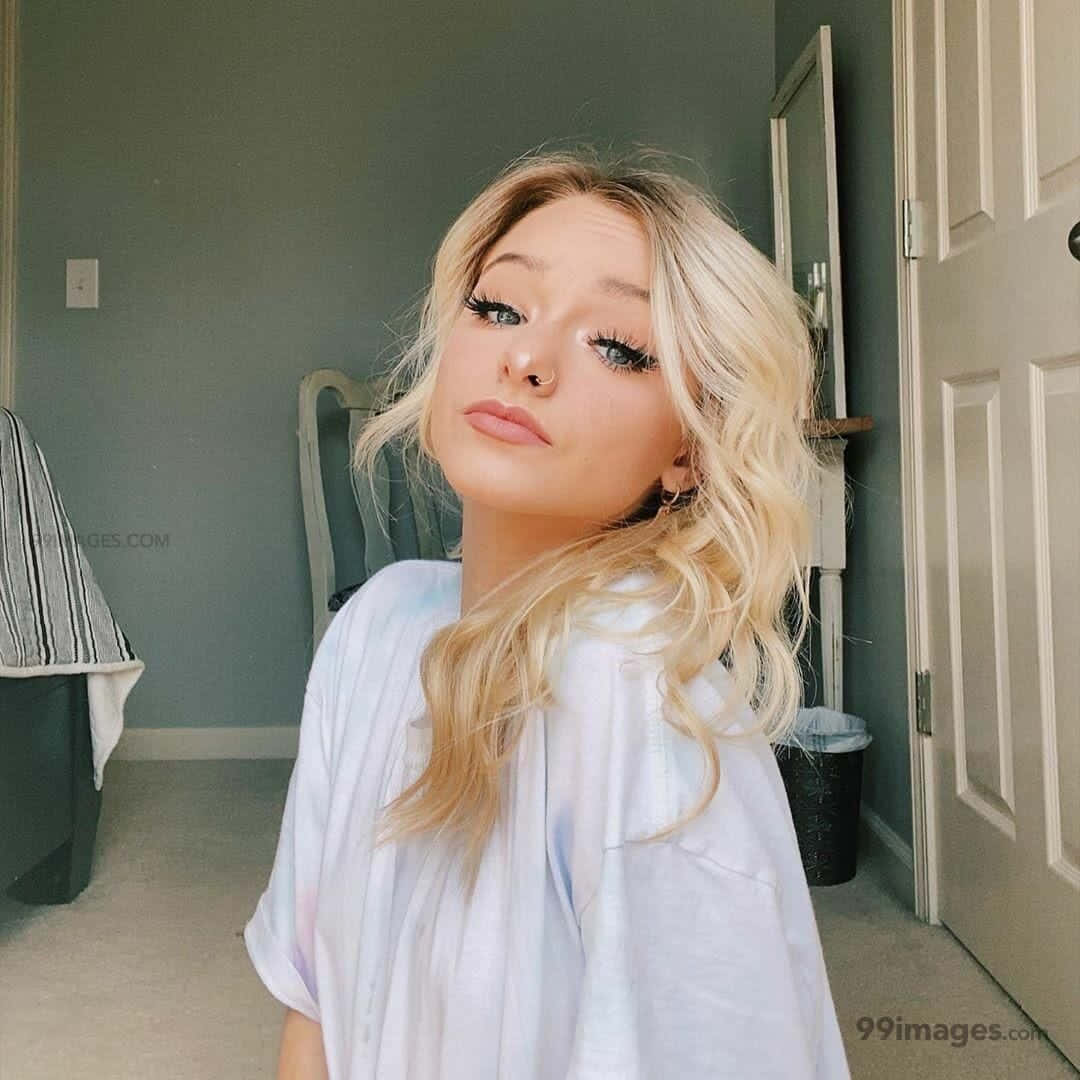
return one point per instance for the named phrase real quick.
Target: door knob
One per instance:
(1074, 241)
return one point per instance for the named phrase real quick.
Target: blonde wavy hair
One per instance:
(736, 357)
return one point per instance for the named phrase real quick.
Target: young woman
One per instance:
(535, 828)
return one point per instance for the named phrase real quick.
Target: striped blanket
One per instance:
(54, 619)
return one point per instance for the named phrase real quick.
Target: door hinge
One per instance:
(912, 228)
(922, 703)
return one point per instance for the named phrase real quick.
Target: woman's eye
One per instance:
(619, 350)
(632, 359)
(483, 307)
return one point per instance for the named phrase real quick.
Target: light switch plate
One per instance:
(82, 283)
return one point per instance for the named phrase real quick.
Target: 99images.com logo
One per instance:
(956, 1034)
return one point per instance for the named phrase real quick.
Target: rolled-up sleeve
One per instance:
(688, 974)
(279, 935)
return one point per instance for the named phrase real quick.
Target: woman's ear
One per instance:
(680, 473)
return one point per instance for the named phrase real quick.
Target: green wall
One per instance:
(875, 662)
(264, 184)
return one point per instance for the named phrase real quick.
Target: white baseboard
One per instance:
(890, 853)
(201, 744)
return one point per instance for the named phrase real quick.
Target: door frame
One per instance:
(913, 505)
(9, 82)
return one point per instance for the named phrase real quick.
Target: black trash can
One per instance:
(821, 763)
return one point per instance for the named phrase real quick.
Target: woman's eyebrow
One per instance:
(613, 285)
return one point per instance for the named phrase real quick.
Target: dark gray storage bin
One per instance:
(821, 764)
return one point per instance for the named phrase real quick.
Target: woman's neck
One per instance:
(495, 544)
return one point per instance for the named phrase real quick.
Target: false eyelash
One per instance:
(481, 305)
(639, 359)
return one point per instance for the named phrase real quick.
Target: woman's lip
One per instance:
(506, 430)
(516, 414)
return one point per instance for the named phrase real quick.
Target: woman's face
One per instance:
(578, 278)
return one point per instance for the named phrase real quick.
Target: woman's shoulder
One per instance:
(401, 600)
(398, 591)
(620, 773)
(404, 586)
(746, 826)
(630, 773)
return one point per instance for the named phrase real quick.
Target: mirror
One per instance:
(805, 220)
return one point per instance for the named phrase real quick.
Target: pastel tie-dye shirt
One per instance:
(583, 952)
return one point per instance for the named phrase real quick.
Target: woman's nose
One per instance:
(528, 355)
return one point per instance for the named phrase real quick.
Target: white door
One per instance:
(997, 296)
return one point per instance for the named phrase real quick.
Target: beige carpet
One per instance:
(145, 976)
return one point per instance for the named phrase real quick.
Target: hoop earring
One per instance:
(667, 501)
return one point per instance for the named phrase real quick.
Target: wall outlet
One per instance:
(82, 283)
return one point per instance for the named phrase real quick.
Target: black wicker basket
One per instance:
(824, 790)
